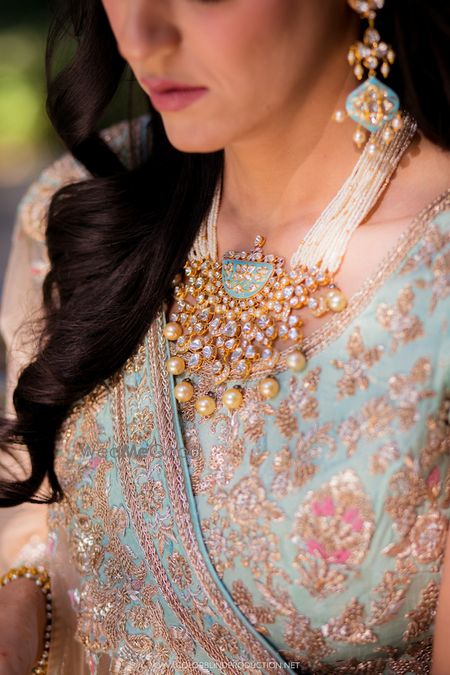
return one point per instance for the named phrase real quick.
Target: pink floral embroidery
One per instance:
(333, 529)
(434, 478)
(325, 507)
(353, 517)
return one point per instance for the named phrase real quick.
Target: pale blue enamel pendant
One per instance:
(372, 104)
(245, 275)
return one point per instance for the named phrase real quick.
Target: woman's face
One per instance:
(256, 59)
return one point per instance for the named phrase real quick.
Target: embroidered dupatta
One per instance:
(149, 593)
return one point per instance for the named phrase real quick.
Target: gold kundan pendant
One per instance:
(231, 314)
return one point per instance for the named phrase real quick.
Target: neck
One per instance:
(288, 171)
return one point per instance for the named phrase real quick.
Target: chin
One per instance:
(193, 140)
(190, 145)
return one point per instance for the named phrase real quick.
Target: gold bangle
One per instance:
(42, 580)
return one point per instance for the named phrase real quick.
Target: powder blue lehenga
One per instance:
(304, 532)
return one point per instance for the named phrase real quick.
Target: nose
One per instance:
(147, 29)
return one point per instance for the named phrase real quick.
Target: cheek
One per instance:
(114, 10)
(254, 43)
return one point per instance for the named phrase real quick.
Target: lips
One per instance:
(161, 86)
(169, 95)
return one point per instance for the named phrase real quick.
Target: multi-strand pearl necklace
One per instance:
(229, 314)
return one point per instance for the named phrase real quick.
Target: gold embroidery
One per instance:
(301, 637)
(384, 457)
(416, 659)
(427, 537)
(423, 615)
(223, 638)
(433, 241)
(294, 468)
(377, 414)
(392, 591)
(396, 319)
(64, 171)
(152, 496)
(255, 543)
(308, 643)
(422, 536)
(355, 369)
(438, 436)
(333, 528)
(403, 390)
(223, 544)
(179, 570)
(299, 400)
(136, 362)
(371, 422)
(182, 510)
(253, 414)
(248, 502)
(141, 425)
(349, 626)
(256, 614)
(441, 280)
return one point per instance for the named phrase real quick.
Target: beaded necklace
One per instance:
(230, 313)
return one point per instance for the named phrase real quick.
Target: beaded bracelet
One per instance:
(42, 580)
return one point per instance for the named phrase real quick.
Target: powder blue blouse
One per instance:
(301, 534)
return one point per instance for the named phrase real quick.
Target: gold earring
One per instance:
(371, 105)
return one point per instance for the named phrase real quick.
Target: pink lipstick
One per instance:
(168, 95)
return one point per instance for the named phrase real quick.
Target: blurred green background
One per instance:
(26, 137)
(28, 142)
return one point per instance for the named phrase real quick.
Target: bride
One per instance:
(226, 437)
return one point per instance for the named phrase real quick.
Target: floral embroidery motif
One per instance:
(135, 363)
(252, 414)
(379, 413)
(415, 659)
(399, 321)
(441, 280)
(333, 529)
(392, 592)
(252, 472)
(152, 496)
(356, 368)
(433, 255)
(300, 401)
(248, 502)
(141, 425)
(306, 641)
(292, 469)
(371, 422)
(438, 435)
(403, 391)
(223, 543)
(179, 570)
(421, 536)
(384, 457)
(257, 614)
(422, 617)
(349, 626)
(434, 240)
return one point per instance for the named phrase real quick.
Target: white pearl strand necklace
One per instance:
(321, 250)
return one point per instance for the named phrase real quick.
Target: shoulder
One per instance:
(33, 207)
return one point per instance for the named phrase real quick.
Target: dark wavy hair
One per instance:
(116, 240)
